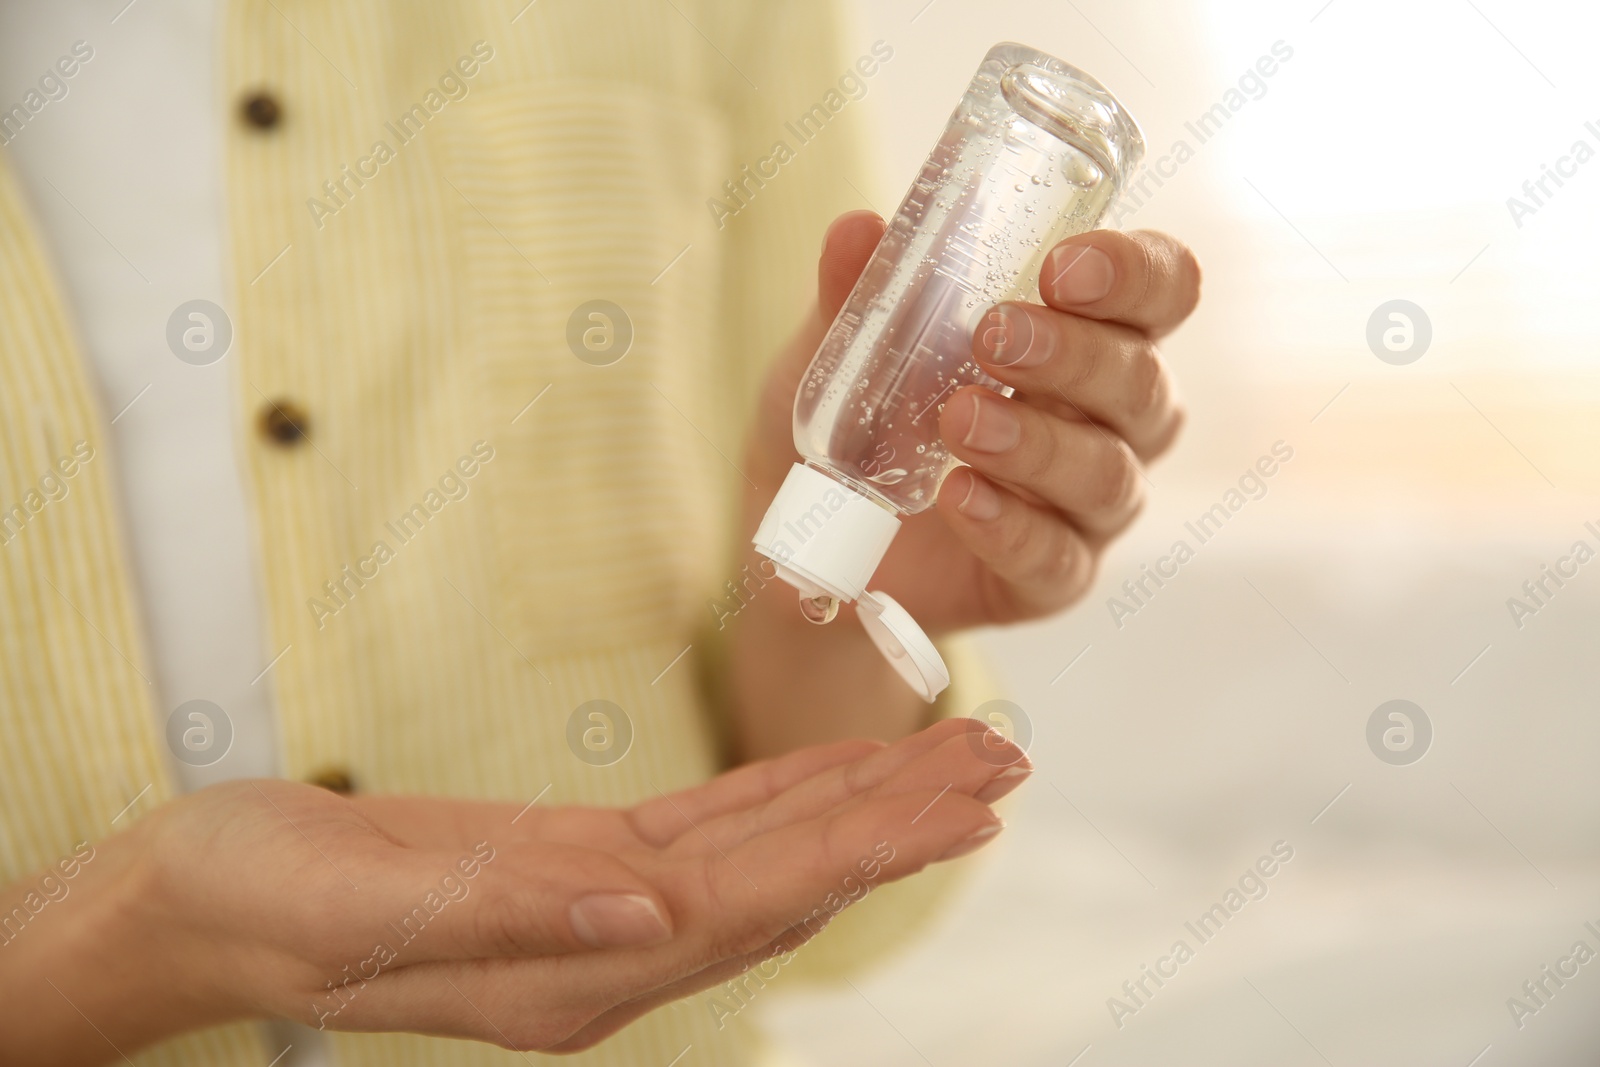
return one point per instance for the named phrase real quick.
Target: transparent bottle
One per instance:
(1035, 152)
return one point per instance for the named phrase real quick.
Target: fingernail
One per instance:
(981, 502)
(1008, 335)
(615, 919)
(1002, 783)
(993, 429)
(1000, 751)
(974, 841)
(1079, 274)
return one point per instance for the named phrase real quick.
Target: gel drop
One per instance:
(1035, 152)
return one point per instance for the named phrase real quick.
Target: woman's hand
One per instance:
(532, 928)
(1055, 472)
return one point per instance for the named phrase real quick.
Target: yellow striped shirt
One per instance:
(415, 301)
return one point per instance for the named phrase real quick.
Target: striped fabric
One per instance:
(414, 301)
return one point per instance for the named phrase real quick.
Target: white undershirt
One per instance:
(125, 181)
(124, 178)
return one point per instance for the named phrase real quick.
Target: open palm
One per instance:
(543, 926)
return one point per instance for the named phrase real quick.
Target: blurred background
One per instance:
(1427, 484)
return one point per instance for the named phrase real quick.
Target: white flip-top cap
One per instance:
(827, 539)
(909, 651)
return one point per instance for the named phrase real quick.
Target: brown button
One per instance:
(333, 779)
(283, 423)
(261, 110)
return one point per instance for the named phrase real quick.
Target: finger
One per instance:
(668, 817)
(1105, 371)
(758, 967)
(517, 899)
(846, 247)
(805, 873)
(950, 755)
(519, 1004)
(782, 880)
(1035, 562)
(1142, 279)
(1078, 467)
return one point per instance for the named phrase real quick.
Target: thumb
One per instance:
(846, 248)
(522, 899)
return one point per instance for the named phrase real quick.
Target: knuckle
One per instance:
(1042, 455)
(738, 925)
(650, 821)
(1062, 573)
(1036, 333)
(1190, 277)
(1017, 538)
(1147, 381)
(1056, 568)
(1115, 483)
(1077, 567)
(1171, 276)
(510, 924)
(709, 887)
(1087, 350)
(857, 776)
(1175, 424)
(1142, 270)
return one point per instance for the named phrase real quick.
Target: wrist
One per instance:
(795, 683)
(105, 953)
(148, 918)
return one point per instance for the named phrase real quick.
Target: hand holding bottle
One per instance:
(1055, 471)
(990, 262)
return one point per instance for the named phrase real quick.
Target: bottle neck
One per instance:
(854, 486)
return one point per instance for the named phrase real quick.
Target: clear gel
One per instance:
(1034, 153)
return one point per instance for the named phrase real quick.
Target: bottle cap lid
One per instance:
(826, 540)
(909, 651)
(826, 537)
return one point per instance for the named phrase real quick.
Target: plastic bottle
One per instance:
(1035, 152)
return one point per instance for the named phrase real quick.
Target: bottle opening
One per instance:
(1071, 106)
(820, 610)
